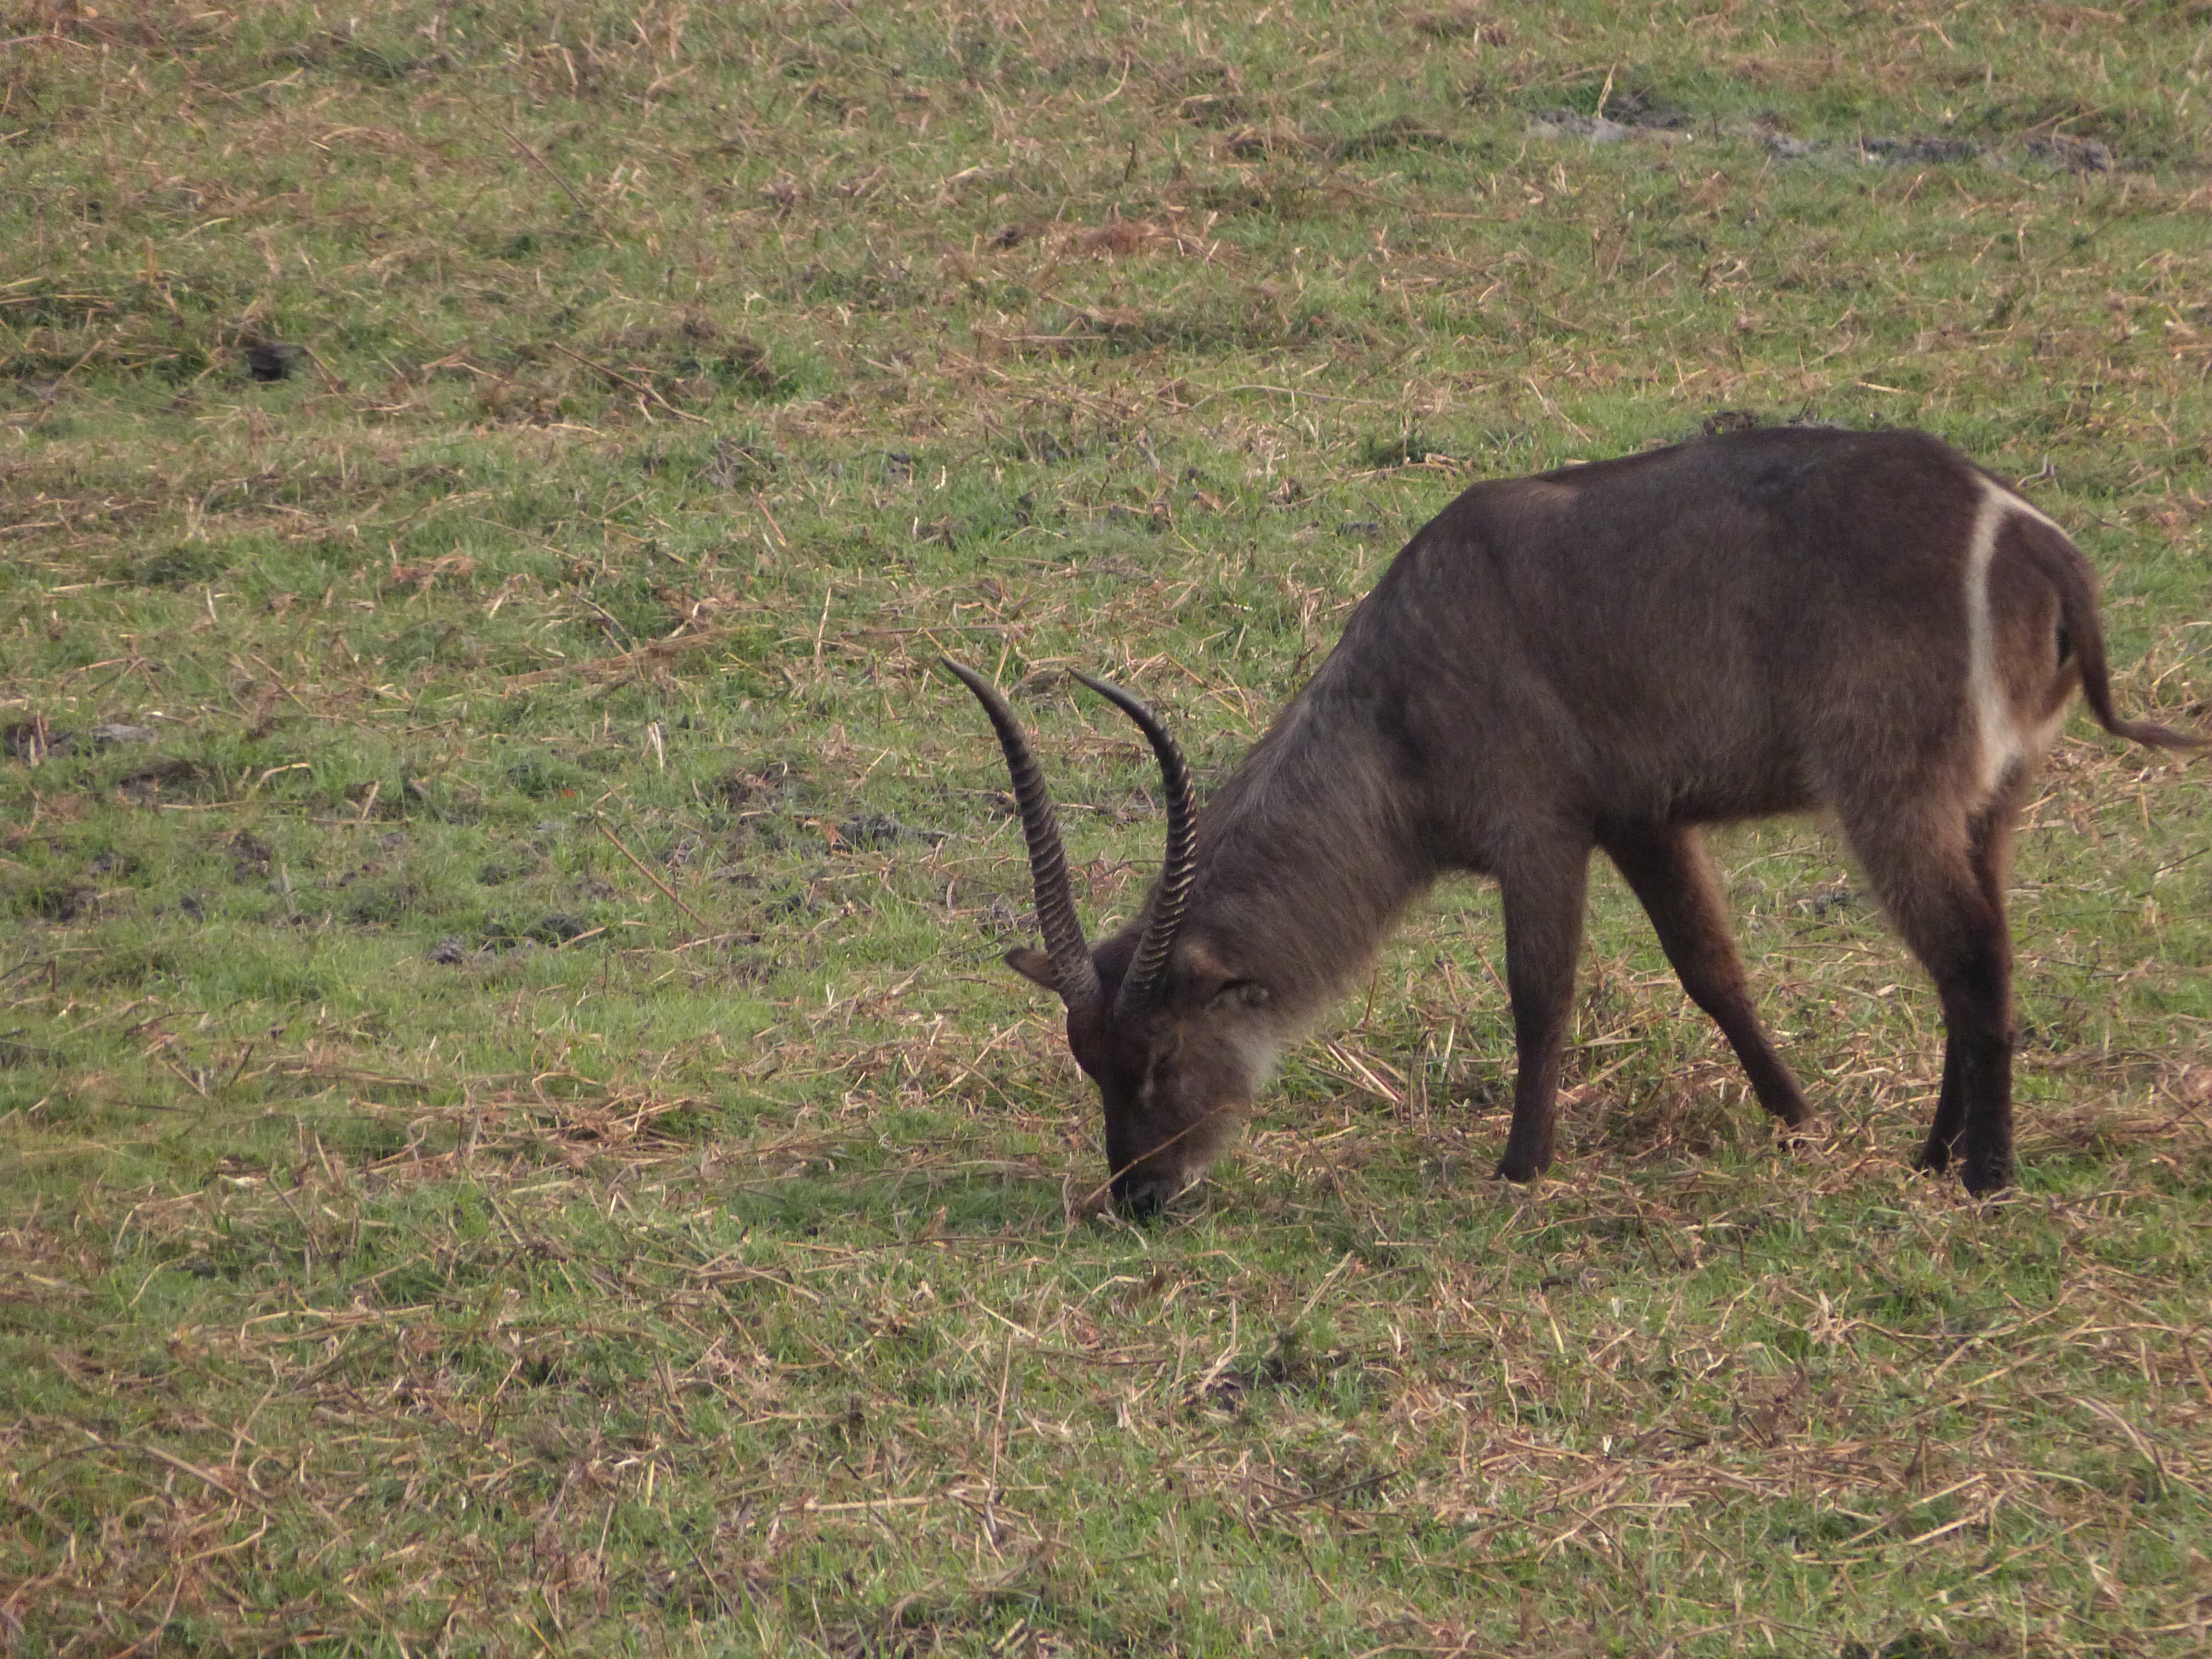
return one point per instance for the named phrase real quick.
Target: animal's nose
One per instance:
(1139, 1196)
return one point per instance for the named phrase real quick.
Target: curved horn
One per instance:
(1055, 900)
(1142, 986)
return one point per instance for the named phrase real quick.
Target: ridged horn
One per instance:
(1055, 899)
(1142, 986)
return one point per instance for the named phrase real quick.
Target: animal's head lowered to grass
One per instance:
(1177, 1045)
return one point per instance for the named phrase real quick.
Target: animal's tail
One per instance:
(2076, 583)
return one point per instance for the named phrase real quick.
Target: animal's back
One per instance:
(1678, 635)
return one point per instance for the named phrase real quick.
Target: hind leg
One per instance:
(1667, 868)
(1941, 878)
(1990, 850)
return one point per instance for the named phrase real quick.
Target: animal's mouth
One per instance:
(1141, 1207)
(1150, 1185)
(1142, 1197)
(1146, 1185)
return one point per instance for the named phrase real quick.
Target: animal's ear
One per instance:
(1035, 966)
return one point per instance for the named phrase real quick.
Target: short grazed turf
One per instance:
(512, 1133)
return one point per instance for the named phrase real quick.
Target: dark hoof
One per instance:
(1511, 1170)
(1935, 1159)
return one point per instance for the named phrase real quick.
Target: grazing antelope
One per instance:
(1609, 655)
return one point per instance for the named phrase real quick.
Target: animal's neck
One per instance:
(1307, 856)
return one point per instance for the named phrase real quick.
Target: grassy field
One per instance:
(512, 1133)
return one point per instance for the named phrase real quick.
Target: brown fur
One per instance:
(1611, 656)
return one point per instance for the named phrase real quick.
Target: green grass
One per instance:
(514, 1133)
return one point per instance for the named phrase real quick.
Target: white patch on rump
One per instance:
(2004, 742)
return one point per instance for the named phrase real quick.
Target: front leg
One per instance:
(1667, 869)
(1950, 1115)
(1543, 938)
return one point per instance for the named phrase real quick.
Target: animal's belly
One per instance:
(1679, 784)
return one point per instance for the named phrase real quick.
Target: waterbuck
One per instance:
(1609, 656)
